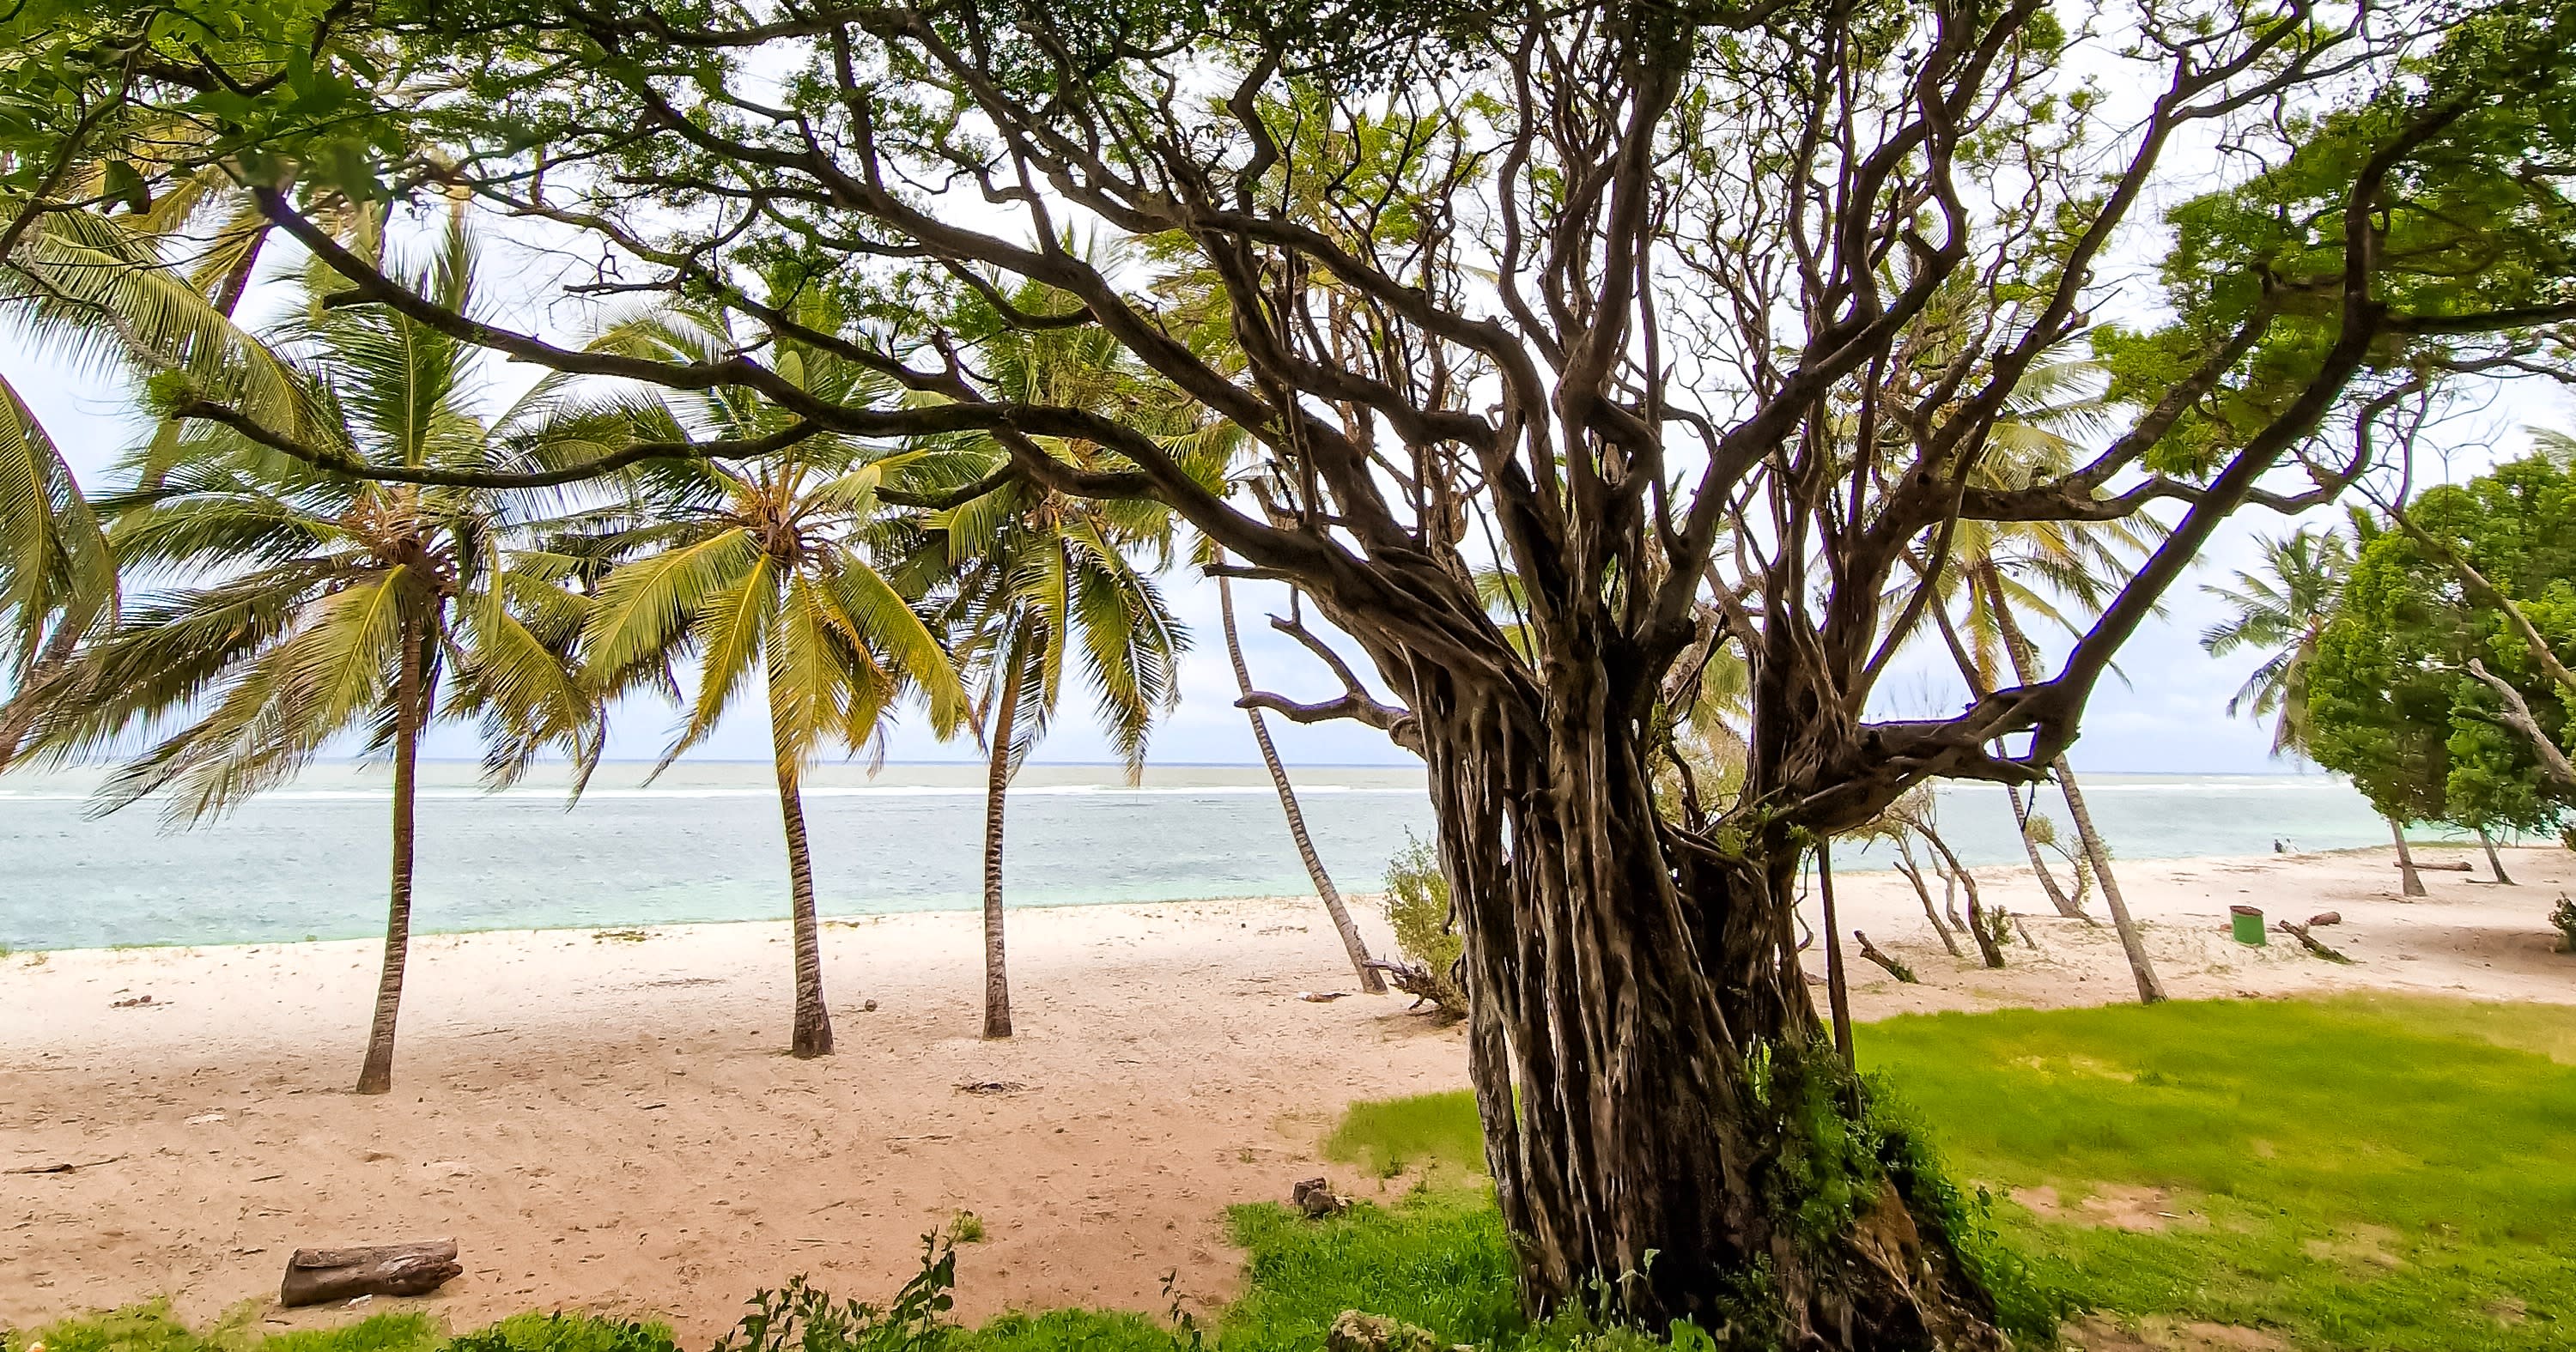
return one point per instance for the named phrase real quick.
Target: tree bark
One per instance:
(1352, 944)
(997, 786)
(2517, 716)
(376, 1076)
(2409, 882)
(1990, 952)
(812, 1035)
(1837, 988)
(2494, 864)
(1913, 874)
(1648, 1065)
(327, 1276)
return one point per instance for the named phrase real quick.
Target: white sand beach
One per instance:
(609, 1122)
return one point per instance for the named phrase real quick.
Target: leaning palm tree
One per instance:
(759, 569)
(1353, 945)
(297, 607)
(2281, 612)
(2000, 570)
(1032, 579)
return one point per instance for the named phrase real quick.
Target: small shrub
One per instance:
(2565, 919)
(799, 1318)
(1417, 909)
(966, 1228)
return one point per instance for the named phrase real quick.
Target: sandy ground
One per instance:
(607, 1122)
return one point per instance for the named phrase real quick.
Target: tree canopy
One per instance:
(2393, 700)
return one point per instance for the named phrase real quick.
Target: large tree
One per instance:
(1623, 278)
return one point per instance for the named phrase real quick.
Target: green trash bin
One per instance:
(2248, 921)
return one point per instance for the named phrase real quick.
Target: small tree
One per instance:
(1426, 932)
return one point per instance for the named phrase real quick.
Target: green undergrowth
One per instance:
(2376, 1174)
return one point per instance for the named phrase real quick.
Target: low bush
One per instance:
(1417, 909)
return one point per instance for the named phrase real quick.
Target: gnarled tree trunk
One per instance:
(1643, 1045)
(812, 1035)
(1352, 943)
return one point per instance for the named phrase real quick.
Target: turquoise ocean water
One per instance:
(704, 843)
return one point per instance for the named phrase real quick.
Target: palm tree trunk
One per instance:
(2151, 988)
(813, 1033)
(2409, 882)
(377, 1075)
(997, 785)
(2066, 906)
(1352, 944)
(2493, 862)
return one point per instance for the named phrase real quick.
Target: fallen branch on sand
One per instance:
(2423, 867)
(1893, 967)
(1425, 986)
(2309, 942)
(63, 1167)
(322, 1276)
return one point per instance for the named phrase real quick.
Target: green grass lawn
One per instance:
(2366, 1173)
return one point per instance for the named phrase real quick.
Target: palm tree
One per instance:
(760, 567)
(1029, 578)
(337, 604)
(2001, 569)
(1352, 944)
(100, 288)
(2281, 611)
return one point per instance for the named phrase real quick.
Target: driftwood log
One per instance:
(2423, 867)
(321, 1276)
(2309, 941)
(1890, 965)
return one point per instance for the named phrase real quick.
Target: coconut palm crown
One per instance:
(2281, 609)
